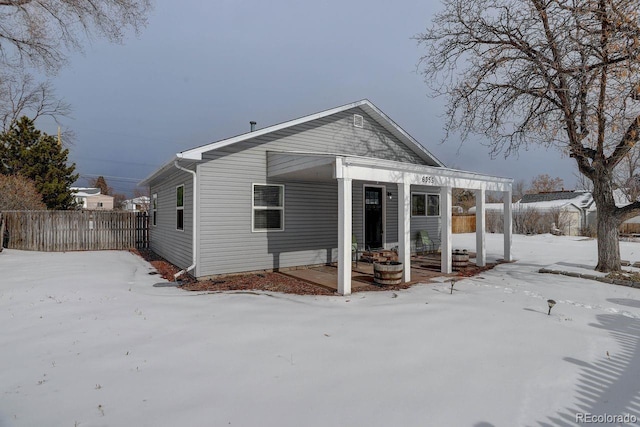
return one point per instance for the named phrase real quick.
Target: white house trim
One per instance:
(194, 231)
(346, 169)
(364, 104)
(481, 255)
(404, 227)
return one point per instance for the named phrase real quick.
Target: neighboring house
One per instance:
(298, 193)
(579, 206)
(92, 199)
(138, 204)
(574, 210)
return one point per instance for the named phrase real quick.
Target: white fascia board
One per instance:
(166, 166)
(365, 104)
(169, 165)
(196, 153)
(399, 167)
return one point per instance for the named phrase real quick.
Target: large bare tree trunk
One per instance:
(550, 72)
(607, 224)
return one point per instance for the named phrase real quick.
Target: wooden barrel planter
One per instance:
(387, 273)
(459, 259)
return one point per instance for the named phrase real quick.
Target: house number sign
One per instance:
(429, 180)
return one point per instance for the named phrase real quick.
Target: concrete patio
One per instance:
(424, 268)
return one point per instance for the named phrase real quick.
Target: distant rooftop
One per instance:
(550, 196)
(85, 191)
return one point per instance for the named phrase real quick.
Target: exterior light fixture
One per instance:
(389, 195)
(551, 304)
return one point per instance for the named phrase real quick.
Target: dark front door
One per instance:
(373, 217)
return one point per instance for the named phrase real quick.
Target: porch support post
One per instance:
(507, 220)
(344, 235)
(445, 233)
(481, 255)
(404, 229)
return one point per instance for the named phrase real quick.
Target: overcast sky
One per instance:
(202, 70)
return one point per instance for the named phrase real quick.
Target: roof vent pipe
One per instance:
(253, 125)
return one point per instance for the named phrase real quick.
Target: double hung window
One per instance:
(424, 204)
(268, 207)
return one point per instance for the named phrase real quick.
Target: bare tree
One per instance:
(518, 190)
(561, 217)
(463, 198)
(544, 183)
(101, 183)
(528, 220)
(627, 174)
(39, 33)
(142, 194)
(21, 96)
(582, 182)
(19, 193)
(560, 73)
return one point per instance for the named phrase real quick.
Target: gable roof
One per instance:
(195, 154)
(366, 105)
(548, 196)
(85, 191)
(547, 200)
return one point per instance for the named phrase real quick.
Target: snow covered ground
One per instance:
(86, 339)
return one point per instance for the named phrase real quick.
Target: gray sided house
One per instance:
(298, 193)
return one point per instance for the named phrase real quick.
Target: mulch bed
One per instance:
(274, 282)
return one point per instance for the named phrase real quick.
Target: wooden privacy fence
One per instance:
(59, 231)
(630, 228)
(463, 223)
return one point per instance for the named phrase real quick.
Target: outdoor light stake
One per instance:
(551, 304)
(453, 282)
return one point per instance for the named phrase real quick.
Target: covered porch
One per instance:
(424, 269)
(345, 169)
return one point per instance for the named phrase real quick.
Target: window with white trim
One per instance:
(180, 207)
(268, 207)
(154, 208)
(433, 205)
(424, 204)
(418, 204)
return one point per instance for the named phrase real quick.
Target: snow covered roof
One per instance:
(620, 197)
(85, 191)
(579, 200)
(141, 199)
(558, 199)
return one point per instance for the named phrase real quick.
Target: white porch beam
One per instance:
(445, 233)
(344, 235)
(404, 229)
(507, 219)
(481, 255)
(437, 177)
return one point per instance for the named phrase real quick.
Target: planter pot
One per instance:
(459, 259)
(387, 273)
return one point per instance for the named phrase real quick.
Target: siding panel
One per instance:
(166, 241)
(226, 241)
